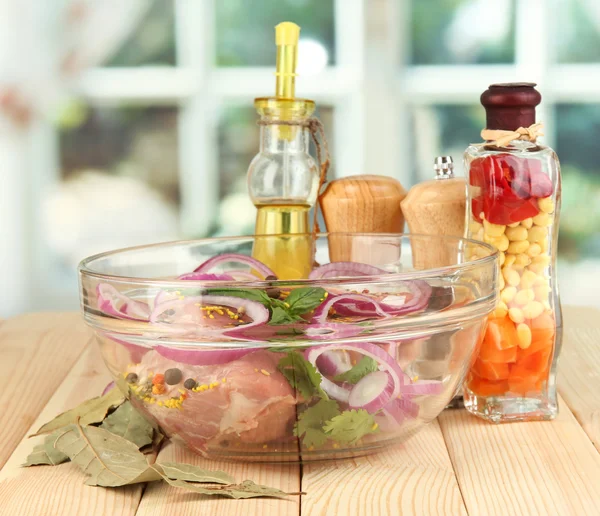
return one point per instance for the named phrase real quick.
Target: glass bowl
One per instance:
(239, 367)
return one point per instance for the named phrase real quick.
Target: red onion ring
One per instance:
(322, 311)
(409, 408)
(385, 362)
(108, 302)
(201, 276)
(372, 392)
(201, 357)
(332, 363)
(345, 269)
(235, 258)
(255, 310)
(423, 387)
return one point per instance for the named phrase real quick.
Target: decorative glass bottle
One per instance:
(283, 182)
(283, 179)
(513, 203)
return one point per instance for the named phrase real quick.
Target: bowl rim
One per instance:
(84, 266)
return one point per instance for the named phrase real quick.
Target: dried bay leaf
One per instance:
(91, 411)
(246, 489)
(129, 424)
(109, 460)
(191, 473)
(45, 453)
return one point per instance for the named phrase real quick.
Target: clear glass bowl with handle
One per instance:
(238, 365)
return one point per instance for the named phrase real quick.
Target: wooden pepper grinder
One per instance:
(362, 204)
(436, 207)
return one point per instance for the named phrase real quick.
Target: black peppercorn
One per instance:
(173, 376)
(273, 292)
(131, 378)
(190, 383)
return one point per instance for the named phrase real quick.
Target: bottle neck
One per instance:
(276, 138)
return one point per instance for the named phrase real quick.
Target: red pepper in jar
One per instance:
(509, 187)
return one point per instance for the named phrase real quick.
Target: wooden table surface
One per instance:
(456, 465)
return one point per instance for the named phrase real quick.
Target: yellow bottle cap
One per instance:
(287, 33)
(286, 38)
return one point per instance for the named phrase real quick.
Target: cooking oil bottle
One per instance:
(283, 178)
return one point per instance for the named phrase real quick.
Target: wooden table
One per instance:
(456, 465)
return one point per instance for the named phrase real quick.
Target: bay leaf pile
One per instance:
(114, 445)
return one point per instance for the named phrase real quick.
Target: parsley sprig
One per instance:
(300, 301)
(323, 420)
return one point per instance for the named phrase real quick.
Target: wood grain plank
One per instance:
(161, 499)
(36, 352)
(545, 467)
(413, 478)
(579, 368)
(60, 490)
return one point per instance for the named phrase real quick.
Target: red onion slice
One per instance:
(188, 311)
(372, 392)
(242, 276)
(235, 258)
(389, 420)
(385, 362)
(201, 276)
(400, 304)
(423, 387)
(348, 300)
(112, 302)
(332, 363)
(407, 407)
(345, 269)
(201, 357)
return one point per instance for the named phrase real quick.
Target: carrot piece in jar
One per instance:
(502, 333)
(542, 335)
(482, 387)
(490, 353)
(531, 368)
(491, 370)
(542, 327)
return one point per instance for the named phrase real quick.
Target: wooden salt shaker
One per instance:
(363, 204)
(436, 207)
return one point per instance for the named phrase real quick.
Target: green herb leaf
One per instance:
(191, 473)
(350, 426)
(129, 424)
(45, 453)
(251, 294)
(281, 316)
(303, 300)
(246, 489)
(108, 459)
(311, 421)
(302, 375)
(365, 366)
(89, 412)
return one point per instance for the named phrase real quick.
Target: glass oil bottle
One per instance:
(283, 178)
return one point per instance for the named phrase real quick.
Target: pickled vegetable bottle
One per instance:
(513, 203)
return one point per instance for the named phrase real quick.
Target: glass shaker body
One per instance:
(513, 203)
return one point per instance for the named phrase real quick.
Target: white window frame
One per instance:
(198, 88)
(424, 87)
(372, 107)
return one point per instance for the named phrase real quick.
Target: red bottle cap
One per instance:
(509, 106)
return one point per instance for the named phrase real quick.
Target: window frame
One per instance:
(367, 138)
(197, 87)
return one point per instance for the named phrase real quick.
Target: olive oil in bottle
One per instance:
(289, 255)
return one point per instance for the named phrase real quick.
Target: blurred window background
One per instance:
(154, 142)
